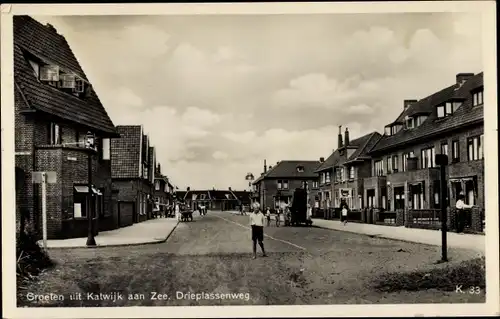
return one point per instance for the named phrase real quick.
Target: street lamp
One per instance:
(90, 147)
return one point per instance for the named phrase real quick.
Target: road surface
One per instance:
(208, 262)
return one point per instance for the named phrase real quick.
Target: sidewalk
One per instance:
(147, 232)
(422, 236)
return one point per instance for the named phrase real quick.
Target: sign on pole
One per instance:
(44, 178)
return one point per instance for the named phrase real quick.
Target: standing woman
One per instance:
(268, 216)
(460, 214)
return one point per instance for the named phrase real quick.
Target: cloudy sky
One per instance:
(219, 94)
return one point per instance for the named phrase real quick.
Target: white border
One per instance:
(487, 8)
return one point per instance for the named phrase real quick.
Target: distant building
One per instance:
(133, 162)
(341, 176)
(55, 107)
(163, 190)
(275, 186)
(212, 199)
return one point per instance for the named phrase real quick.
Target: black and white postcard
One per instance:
(251, 159)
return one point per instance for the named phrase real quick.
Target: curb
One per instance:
(150, 242)
(401, 240)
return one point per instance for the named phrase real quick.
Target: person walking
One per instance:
(257, 224)
(278, 218)
(177, 211)
(268, 217)
(344, 214)
(461, 206)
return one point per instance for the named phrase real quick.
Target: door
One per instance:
(126, 214)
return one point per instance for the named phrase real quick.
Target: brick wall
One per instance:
(130, 190)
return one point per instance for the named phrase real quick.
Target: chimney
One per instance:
(462, 77)
(229, 188)
(159, 168)
(340, 137)
(51, 27)
(270, 167)
(321, 159)
(346, 136)
(407, 103)
(188, 188)
(265, 167)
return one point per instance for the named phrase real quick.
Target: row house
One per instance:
(163, 190)
(212, 199)
(55, 108)
(450, 122)
(133, 165)
(276, 185)
(342, 175)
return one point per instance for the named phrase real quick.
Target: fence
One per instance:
(386, 218)
(424, 218)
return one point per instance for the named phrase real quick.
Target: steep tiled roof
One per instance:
(362, 144)
(190, 193)
(125, 152)
(44, 43)
(222, 195)
(288, 169)
(464, 115)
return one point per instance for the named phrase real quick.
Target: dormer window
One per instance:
(477, 98)
(396, 128)
(36, 67)
(421, 119)
(49, 73)
(387, 131)
(300, 169)
(447, 109)
(410, 122)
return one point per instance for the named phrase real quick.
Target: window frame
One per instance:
(475, 97)
(429, 154)
(378, 168)
(476, 143)
(444, 146)
(105, 149)
(395, 166)
(351, 172)
(55, 134)
(442, 114)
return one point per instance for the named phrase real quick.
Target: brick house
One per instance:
(212, 199)
(244, 197)
(403, 161)
(163, 190)
(342, 175)
(276, 185)
(132, 170)
(55, 107)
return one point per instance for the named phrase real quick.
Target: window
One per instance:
(157, 185)
(351, 172)
(421, 119)
(389, 165)
(328, 177)
(456, 105)
(54, 134)
(322, 178)
(49, 73)
(475, 148)
(338, 176)
(105, 149)
(79, 204)
(342, 175)
(405, 158)
(410, 123)
(379, 168)
(395, 166)
(444, 149)
(440, 111)
(282, 184)
(36, 67)
(427, 159)
(395, 129)
(387, 130)
(477, 98)
(79, 85)
(455, 152)
(315, 184)
(418, 196)
(67, 81)
(300, 169)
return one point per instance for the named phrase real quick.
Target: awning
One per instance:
(85, 189)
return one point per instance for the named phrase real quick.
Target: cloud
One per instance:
(218, 100)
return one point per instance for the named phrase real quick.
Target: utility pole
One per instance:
(90, 238)
(442, 161)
